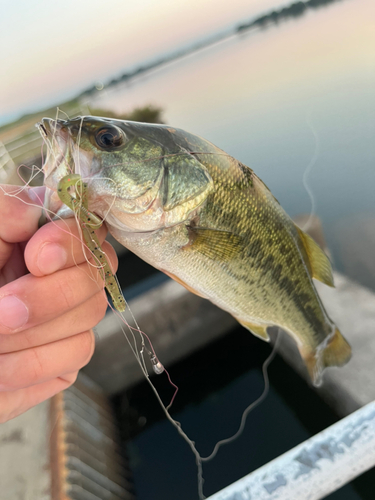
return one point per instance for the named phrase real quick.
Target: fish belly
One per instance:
(251, 299)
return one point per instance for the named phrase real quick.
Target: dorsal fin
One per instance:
(259, 181)
(318, 262)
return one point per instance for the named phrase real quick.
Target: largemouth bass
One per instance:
(203, 218)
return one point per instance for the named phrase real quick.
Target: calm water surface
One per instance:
(290, 101)
(216, 385)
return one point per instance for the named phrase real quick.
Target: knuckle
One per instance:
(4, 415)
(69, 378)
(87, 346)
(88, 315)
(6, 372)
(100, 307)
(67, 294)
(16, 366)
(7, 409)
(36, 371)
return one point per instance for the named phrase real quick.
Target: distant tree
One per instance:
(295, 9)
(146, 114)
(262, 20)
(319, 3)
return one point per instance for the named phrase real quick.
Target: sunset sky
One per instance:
(52, 50)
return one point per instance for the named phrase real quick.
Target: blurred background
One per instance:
(291, 96)
(286, 88)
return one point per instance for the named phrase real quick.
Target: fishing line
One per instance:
(139, 351)
(139, 354)
(53, 217)
(251, 406)
(32, 175)
(78, 161)
(307, 172)
(199, 459)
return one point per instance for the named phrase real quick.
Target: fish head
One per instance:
(140, 177)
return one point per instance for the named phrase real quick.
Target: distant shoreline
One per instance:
(294, 10)
(272, 18)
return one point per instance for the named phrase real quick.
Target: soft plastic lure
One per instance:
(78, 203)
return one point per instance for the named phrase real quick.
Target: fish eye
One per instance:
(110, 137)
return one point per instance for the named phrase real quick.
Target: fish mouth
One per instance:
(56, 138)
(58, 163)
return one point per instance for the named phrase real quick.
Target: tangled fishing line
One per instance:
(139, 343)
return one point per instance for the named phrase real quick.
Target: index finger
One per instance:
(20, 211)
(58, 245)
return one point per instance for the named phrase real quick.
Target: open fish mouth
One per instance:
(56, 139)
(58, 163)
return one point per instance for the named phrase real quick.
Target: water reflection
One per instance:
(274, 99)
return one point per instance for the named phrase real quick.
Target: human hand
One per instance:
(50, 299)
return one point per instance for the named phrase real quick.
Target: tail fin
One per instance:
(336, 353)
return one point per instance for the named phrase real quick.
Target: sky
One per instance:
(50, 51)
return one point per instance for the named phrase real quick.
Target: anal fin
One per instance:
(256, 329)
(337, 352)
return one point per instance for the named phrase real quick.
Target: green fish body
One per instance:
(205, 219)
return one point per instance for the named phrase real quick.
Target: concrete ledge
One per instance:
(24, 455)
(352, 307)
(65, 448)
(179, 323)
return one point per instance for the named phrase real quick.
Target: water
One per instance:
(278, 98)
(216, 385)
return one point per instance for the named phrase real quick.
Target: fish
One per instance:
(206, 220)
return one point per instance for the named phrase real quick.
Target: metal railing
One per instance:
(315, 468)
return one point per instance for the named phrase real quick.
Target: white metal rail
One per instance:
(315, 468)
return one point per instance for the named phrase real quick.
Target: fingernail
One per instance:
(51, 258)
(13, 312)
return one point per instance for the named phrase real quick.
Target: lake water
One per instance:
(216, 384)
(292, 101)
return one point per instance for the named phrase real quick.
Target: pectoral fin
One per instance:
(318, 262)
(256, 329)
(213, 243)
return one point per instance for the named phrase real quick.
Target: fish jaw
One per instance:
(64, 157)
(55, 167)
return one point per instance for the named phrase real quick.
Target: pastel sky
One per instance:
(50, 50)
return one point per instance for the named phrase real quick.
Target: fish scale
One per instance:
(205, 219)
